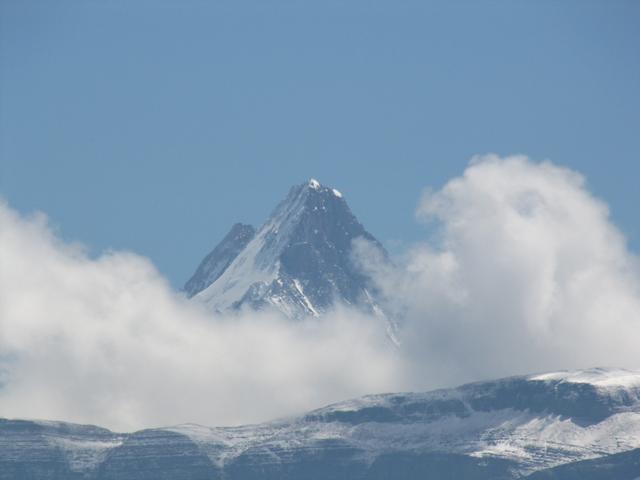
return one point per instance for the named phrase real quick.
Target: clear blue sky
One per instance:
(153, 125)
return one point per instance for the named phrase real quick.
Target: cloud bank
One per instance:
(106, 341)
(526, 273)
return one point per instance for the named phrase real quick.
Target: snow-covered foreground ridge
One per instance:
(508, 428)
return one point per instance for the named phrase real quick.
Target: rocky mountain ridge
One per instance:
(563, 425)
(300, 262)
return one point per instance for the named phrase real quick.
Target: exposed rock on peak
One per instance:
(299, 262)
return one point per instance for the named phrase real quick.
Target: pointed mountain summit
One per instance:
(299, 262)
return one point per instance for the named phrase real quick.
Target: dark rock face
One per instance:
(316, 252)
(157, 455)
(583, 402)
(51, 450)
(299, 262)
(26, 453)
(619, 466)
(550, 427)
(395, 408)
(438, 466)
(328, 459)
(219, 259)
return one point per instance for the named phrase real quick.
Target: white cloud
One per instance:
(528, 274)
(106, 341)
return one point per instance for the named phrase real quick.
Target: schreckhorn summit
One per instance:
(300, 262)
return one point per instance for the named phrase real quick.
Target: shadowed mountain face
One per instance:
(620, 466)
(300, 262)
(564, 426)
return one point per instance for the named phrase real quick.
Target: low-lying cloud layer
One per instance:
(106, 341)
(527, 274)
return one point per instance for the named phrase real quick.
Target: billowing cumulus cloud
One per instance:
(525, 272)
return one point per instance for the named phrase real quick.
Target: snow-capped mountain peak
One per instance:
(299, 262)
(313, 183)
(316, 185)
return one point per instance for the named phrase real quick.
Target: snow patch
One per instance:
(313, 183)
(598, 377)
(533, 441)
(84, 455)
(336, 193)
(306, 301)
